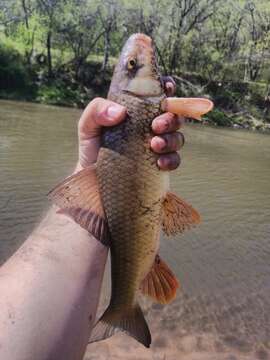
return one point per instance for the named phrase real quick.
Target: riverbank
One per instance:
(240, 105)
(199, 328)
(216, 118)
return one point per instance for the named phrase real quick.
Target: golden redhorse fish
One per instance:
(124, 201)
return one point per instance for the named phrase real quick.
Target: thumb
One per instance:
(99, 112)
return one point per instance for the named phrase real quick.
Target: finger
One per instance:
(99, 112)
(169, 85)
(166, 122)
(169, 161)
(167, 143)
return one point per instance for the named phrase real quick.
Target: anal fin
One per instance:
(78, 196)
(178, 215)
(160, 284)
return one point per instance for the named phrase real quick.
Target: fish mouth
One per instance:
(140, 95)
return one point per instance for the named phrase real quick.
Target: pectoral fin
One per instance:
(178, 215)
(188, 107)
(160, 284)
(78, 196)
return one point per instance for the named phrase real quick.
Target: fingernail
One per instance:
(159, 143)
(163, 124)
(114, 111)
(161, 163)
(169, 87)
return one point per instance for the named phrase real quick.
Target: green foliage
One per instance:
(218, 117)
(13, 72)
(59, 94)
(214, 47)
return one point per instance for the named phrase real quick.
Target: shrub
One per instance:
(219, 118)
(13, 73)
(57, 93)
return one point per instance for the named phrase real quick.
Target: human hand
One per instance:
(102, 112)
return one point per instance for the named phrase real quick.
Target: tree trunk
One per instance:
(25, 14)
(107, 44)
(49, 54)
(175, 56)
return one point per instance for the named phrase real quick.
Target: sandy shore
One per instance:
(187, 348)
(196, 328)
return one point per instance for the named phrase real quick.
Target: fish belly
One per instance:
(132, 189)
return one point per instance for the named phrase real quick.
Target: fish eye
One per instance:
(131, 64)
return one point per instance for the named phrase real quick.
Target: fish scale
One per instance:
(131, 188)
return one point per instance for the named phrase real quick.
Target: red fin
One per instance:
(160, 283)
(178, 215)
(131, 321)
(78, 197)
(188, 107)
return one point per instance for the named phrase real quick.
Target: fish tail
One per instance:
(132, 322)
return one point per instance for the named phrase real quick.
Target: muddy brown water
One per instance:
(223, 265)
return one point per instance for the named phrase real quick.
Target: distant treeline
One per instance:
(62, 51)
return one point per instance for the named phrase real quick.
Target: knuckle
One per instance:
(169, 162)
(168, 121)
(94, 107)
(173, 122)
(162, 123)
(174, 141)
(177, 122)
(99, 105)
(177, 141)
(96, 101)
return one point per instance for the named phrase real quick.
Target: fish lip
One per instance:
(140, 95)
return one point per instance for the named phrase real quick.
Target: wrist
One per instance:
(78, 167)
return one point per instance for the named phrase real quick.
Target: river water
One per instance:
(223, 265)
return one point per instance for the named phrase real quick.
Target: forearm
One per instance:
(49, 290)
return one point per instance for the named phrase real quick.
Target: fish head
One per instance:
(137, 71)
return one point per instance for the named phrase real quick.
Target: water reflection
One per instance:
(223, 265)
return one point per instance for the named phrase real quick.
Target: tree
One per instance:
(80, 30)
(107, 12)
(186, 16)
(49, 11)
(259, 28)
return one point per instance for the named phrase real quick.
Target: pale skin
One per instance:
(49, 289)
